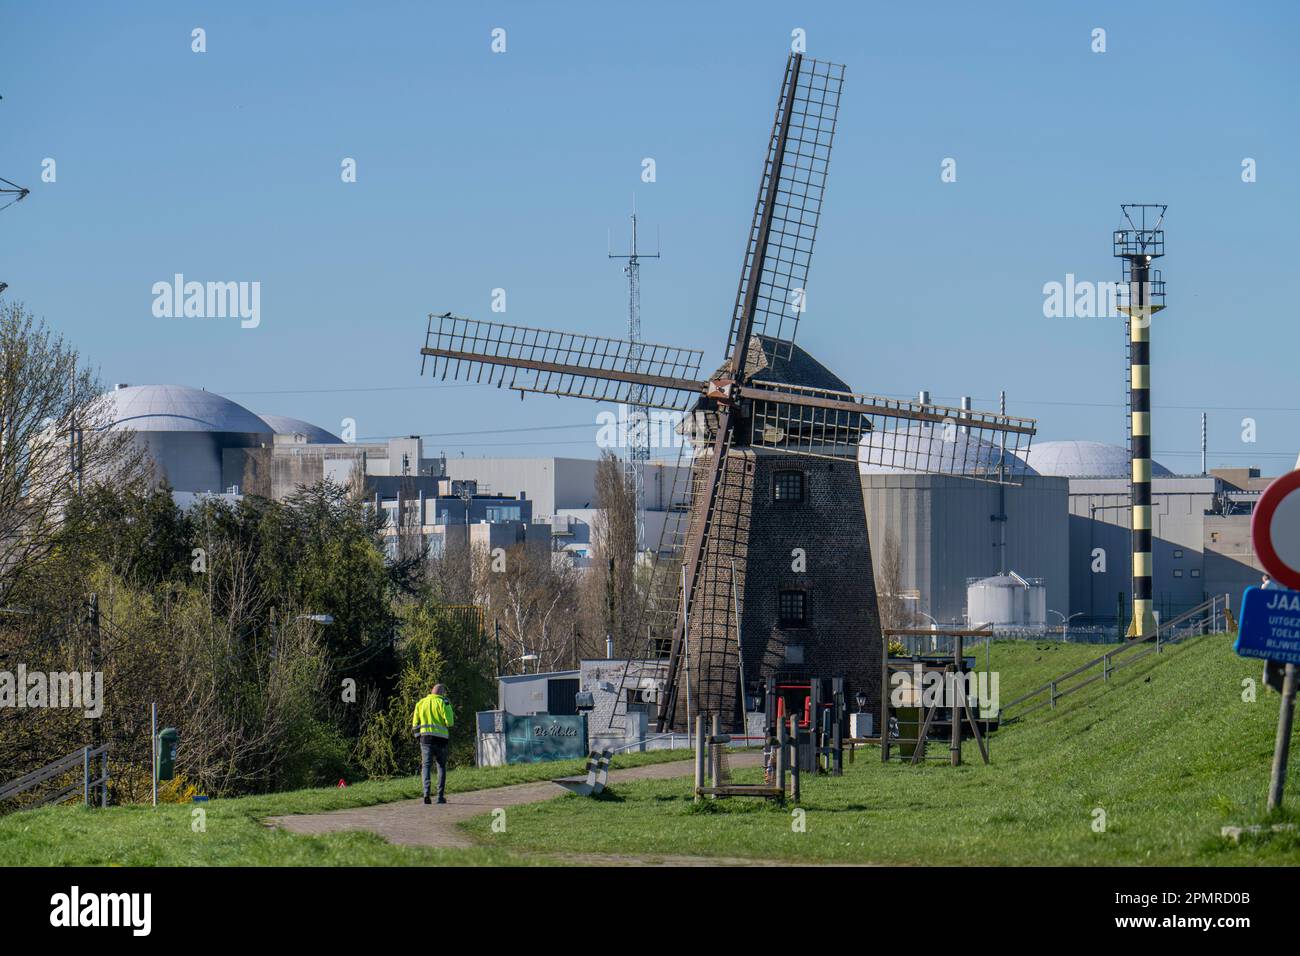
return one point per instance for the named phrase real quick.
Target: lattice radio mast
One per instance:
(638, 413)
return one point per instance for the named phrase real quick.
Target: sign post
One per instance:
(1270, 615)
(1282, 746)
(153, 749)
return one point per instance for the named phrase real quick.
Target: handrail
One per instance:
(1210, 605)
(1107, 659)
(642, 741)
(82, 757)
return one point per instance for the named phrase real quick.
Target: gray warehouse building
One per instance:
(1066, 527)
(947, 531)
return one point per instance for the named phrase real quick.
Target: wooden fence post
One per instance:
(699, 756)
(794, 753)
(782, 762)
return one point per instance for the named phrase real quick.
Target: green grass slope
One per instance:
(235, 834)
(1167, 750)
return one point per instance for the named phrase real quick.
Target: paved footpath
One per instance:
(411, 822)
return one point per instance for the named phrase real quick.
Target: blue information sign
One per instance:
(1270, 625)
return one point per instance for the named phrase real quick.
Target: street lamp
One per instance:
(1065, 622)
(525, 659)
(917, 597)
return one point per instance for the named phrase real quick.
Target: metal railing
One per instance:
(1207, 618)
(85, 757)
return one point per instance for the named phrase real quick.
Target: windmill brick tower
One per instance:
(769, 575)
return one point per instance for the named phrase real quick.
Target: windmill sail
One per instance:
(774, 278)
(562, 363)
(888, 434)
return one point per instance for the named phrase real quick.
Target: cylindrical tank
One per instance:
(1006, 600)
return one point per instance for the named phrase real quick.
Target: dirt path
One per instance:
(411, 822)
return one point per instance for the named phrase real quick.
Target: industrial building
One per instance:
(1065, 529)
(203, 444)
(186, 431)
(1200, 534)
(950, 530)
(563, 494)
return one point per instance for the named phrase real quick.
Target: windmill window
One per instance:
(1178, 553)
(787, 486)
(792, 608)
(1178, 572)
(1196, 572)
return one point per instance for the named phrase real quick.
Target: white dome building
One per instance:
(185, 430)
(1085, 459)
(188, 430)
(903, 450)
(299, 430)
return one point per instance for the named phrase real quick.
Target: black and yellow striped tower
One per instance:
(1139, 242)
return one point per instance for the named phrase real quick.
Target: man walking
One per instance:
(432, 721)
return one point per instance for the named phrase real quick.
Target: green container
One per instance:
(168, 739)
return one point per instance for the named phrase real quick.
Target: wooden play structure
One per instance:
(781, 776)
(894, 720)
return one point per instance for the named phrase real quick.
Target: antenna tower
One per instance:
(637, 428)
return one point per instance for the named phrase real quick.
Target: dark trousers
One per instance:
(433, 748)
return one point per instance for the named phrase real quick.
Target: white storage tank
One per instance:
(1006, 600)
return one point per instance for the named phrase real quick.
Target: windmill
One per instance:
(770, 578)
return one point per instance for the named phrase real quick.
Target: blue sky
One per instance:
(478, 170)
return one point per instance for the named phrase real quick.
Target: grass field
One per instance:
(235, 834)
(1168, 750)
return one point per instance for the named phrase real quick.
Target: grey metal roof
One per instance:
(178, 408)
(1085, 459)
(284, 425)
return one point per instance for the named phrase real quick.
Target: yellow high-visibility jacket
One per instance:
(433, 715)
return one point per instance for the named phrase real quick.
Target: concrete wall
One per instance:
(505, 535)
(603, 677)
(194, 461)
(557, 484)
(550, 482)
(1188, 564)
(943, 526)
(1229, 561)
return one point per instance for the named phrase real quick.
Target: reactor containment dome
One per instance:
(186, 432)
(1085, 459)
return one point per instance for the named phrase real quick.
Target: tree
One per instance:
(533, 596)
(54, 440)
(612, 597)
(894, 610)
